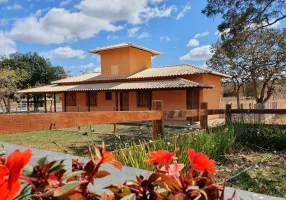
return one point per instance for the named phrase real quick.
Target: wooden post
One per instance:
(55, 103)
(241, 107)
(249, 105)
(45, 102)
(28, 104)
(204, 118)
(114, 129)
(227, 114)
(157, 125)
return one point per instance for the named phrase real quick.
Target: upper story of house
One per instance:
(124, 59)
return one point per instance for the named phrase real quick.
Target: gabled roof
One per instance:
(122, 45)
(112, 86)
(155, 72)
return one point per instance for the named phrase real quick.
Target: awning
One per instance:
(138, 85)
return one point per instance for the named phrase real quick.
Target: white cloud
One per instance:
(90, 65)
(204, 65)
(15, 6)
(3, 22)
(59, 26)
(165, 38)
(66, 2)
(64, 52)
(155, 1)
(112, 37)
(193, 43)
(182, 13)
(198, 35)
(143, 35)
(7, 45)
(198, 53)
(115, 10)
(132, 32)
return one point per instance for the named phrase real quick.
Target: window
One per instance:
(108, 96)
(144, 99)
(114, 69)
(91, 98)
(71, 99)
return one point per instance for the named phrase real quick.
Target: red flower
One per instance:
(10, 173)
(200, 162)
(162, 157)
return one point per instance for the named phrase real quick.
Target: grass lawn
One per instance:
(75, 141)
(267, 177)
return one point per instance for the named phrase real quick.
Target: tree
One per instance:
(229, 64)
(243, 17)
(261, 61)
(35, 69)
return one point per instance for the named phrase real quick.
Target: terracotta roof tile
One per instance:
(166, 71)
(136, 85)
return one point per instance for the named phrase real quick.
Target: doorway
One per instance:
(124, 101)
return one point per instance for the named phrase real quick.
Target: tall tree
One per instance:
(261, 60)
(35, 69)
(243, 17)
(231, 64)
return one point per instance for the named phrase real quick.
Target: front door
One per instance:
(193, 102)
(124, 101)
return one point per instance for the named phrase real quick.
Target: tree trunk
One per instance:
(238, 99)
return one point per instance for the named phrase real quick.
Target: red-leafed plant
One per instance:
(50, 180)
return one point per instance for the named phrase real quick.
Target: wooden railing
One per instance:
(34, 122)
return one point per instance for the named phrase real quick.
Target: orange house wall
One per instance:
(139, 60)
(129, 61)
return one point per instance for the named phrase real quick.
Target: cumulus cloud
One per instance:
(198, 35)
(134, 32)
(193, 43)
(90, 65)
(64, 52)
(112, 37)
(64, 3)
(155, 1)
(182, 13)
(15, 6)
(7, 45)
(136, 12)
(165, 38)
(3, 22)
(59, 26)
(198, 53)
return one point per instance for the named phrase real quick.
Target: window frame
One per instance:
(68, 96)
(140, 99)
(108, 96)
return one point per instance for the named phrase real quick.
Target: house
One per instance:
(128, 81)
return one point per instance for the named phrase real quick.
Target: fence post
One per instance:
(157, 125)
(227, 114)
(204, 117)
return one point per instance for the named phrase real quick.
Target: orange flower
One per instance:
(109, 157)
(200, 162)
(10, 173)
(162, 157)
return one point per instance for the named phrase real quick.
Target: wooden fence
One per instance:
(35, 122)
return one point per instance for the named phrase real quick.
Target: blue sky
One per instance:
(63, 30)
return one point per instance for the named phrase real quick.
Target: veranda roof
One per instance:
(137, 85)
(155, 72)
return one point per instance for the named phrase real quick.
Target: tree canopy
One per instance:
(261, 61)
(243, 17)
(33, 69)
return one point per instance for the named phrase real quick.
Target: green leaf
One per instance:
(129, 197)
(43, 160)
(73, 174)
(66, 188)
(119, 190)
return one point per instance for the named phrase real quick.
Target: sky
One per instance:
(64, 30)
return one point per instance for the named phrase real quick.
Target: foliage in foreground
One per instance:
(49, 180)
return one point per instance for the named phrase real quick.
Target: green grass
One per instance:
(75, 141)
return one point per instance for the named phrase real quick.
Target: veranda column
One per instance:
(45, 102)
(55, 103)
(28, 104)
